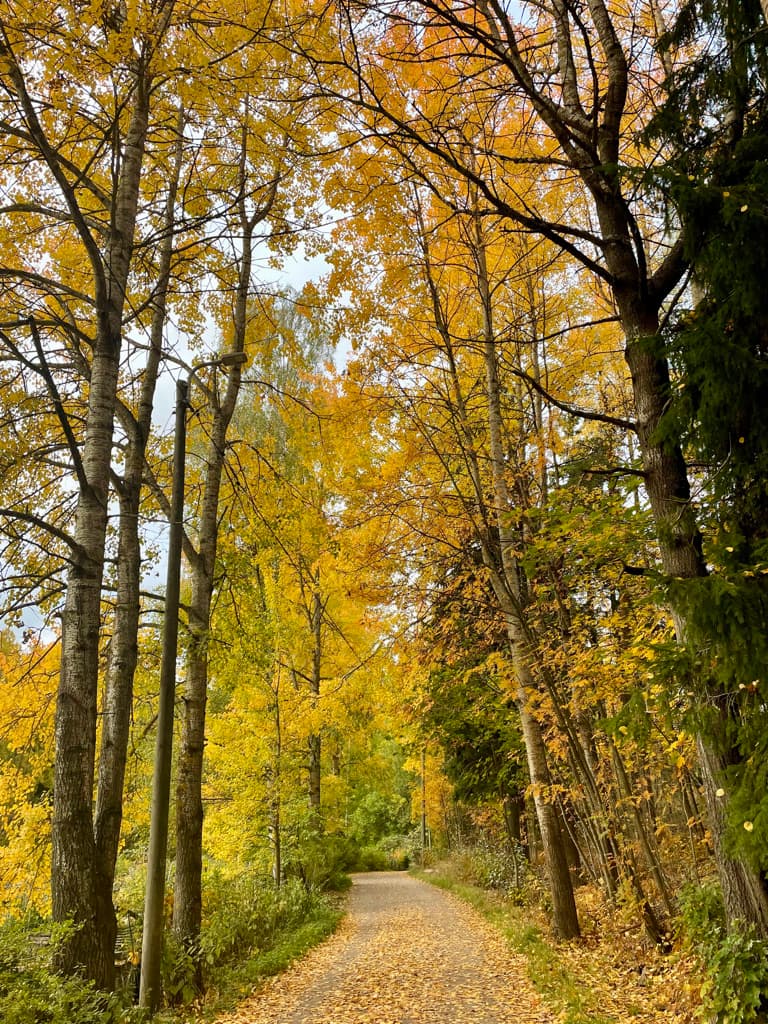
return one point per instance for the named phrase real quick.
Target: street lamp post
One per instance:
(152, 937)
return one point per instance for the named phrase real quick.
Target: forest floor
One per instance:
(410, 953)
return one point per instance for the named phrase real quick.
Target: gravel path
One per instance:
(407, 953)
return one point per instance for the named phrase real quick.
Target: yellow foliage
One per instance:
(27, 689)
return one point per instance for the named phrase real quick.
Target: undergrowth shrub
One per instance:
(734, 963)
(321, 860)
(490, 866)
(384, 856)
(244, 917)
(247, 913)
(32, 992)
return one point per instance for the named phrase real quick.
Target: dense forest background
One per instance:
(467, 306)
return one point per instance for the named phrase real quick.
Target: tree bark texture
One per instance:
(117, 704)
(187, 905)
(81, 881)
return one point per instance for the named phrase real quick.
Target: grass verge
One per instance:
(234, 982)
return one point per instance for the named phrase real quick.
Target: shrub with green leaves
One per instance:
(734, 963)
(490, 866)
(32, 992)
(247, 913)
(319, 859)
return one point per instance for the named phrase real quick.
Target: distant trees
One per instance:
(535, 116)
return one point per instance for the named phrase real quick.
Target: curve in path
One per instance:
(407, 953)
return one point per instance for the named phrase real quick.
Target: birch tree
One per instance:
(90, 181)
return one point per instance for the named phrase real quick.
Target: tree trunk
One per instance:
(513, 807)
(744, 890)
(187, 905)
(117, 705)
(80, 880)
(315, 614)
(188, 899)
(565, 921)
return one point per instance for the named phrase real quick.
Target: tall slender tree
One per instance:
(93, 188)
(572, 85)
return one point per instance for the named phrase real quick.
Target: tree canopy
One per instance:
(474, 530)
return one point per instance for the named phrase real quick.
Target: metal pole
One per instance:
(423, 805)
(150, 990)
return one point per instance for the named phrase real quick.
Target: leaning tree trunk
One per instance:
(565, 921)
(505, 577)
(507, 584)
(638, 295)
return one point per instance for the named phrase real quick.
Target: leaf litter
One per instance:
(407, 953)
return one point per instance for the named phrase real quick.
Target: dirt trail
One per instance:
(407, 953)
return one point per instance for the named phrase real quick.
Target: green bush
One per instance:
(321, 860)
(179, 970)
(32, 992)
(702, 914)
(248, 913)
(734, 963)
(735, 989)
(378, 858)
(491, 867)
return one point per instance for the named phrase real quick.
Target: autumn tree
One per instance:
(86, 187)
(28, 675)
(570, 87)
(101, 136)
(301, 673)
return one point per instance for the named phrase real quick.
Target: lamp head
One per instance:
(232, 359)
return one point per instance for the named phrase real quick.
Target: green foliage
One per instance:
(375, 816)
(701, 912)
(178, 970)
(383, 857)
(32, 992)
(250, 929)
(722, 667)
(717, 83)
(476, 728)
(248, 913)
(320, 860)
(718, 349)
(720, 360)
(735, 963)
(737, 979)
(491, 866)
